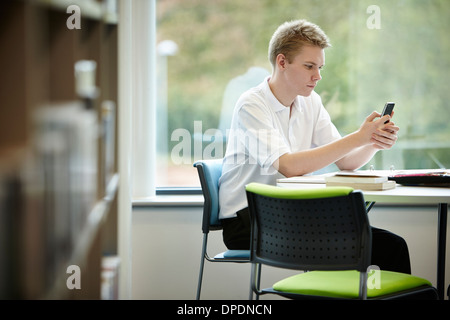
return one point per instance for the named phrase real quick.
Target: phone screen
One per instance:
(388, 107)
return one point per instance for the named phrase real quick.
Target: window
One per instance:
(393, 51)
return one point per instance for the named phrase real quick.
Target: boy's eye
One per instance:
(308, 66)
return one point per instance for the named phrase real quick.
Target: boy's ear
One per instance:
(281, 61)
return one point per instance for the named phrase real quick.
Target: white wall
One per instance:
(167, 242)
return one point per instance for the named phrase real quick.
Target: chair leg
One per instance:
(202, 264)
(250, 295)
(363, 285)
(255, 278)
(258, 280)
(252, 275)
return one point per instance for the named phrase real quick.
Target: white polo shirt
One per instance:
(262, 131)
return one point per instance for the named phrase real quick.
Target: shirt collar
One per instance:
(274, 103)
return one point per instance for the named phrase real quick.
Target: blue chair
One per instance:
(209, 172)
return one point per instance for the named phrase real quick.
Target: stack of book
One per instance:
(360, 180)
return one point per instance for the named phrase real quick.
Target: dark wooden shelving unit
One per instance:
(58, 149)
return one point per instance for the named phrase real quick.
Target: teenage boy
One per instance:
(281, 129)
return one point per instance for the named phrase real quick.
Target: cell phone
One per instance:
(388, 107)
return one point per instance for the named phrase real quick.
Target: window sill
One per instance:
(179, 200)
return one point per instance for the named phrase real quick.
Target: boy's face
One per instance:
(303, 73)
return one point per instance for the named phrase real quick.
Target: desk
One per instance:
(405, 195)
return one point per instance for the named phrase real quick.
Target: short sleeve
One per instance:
(263, 142)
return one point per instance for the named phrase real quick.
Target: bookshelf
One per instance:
(58, 148)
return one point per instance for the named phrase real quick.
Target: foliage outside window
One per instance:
(381, 51)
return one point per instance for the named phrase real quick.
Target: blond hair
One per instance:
(291, 36)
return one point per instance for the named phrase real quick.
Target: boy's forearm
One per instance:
(307, 161)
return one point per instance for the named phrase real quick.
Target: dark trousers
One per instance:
(389, 251)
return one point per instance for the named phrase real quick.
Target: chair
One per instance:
(325, 232)
(209, 172)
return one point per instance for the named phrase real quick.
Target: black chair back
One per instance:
(310, 234)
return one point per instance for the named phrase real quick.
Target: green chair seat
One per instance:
(345, 284)
(313, 193)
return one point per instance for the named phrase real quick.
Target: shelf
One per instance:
(58, 148)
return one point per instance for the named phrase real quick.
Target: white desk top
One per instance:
(400, 194)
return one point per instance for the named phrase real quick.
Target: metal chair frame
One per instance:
(209, 172)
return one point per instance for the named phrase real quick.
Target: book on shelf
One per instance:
(108, 123)
(360, 180)
(110, 277)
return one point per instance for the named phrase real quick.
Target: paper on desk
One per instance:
(319, 178)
